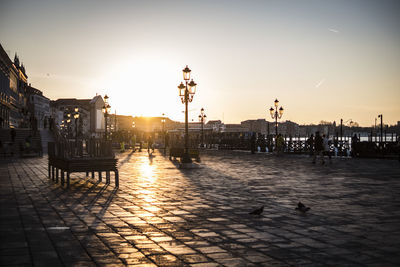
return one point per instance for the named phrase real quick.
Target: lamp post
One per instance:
(202, 118)
(62, 128)
(276, 114)
(186, 92)
(106, 111)
(381, 137)
(163, 133)
(76, 117)
(163, 124)
(68, 125)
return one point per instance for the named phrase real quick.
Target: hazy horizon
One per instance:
(323, 60)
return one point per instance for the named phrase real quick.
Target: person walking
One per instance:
(318, 146)
(253, 143)
(280, 142)
(310, 144)
(150, 145)
(166, 143)
(354, 144)
(327, 149)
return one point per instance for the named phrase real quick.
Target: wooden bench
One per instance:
(177, 152)
(62, 164)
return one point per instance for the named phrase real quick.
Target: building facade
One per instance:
(38, 107)
(13, 100)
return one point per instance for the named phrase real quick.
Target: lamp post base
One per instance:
(186, 158)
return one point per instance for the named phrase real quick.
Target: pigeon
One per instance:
(301, 207)
(257, 211)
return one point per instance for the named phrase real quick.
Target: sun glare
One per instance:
(143, 88)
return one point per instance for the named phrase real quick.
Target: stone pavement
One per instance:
(164, 216)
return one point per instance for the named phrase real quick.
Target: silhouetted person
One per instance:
(34, 126)
(51, 123)
(327, 149)
(280, 142)
(318, 146)
(13, 133)
(354, 141)
(310, 143)
(166, 142)
(263, 144)
(28, 143)
(150, 145)
(253, 143)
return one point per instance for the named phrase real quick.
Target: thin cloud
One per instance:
(334, 30)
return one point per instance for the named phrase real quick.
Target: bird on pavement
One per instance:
(301, 207)
(257, 211)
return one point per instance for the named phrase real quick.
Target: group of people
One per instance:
(320, 147)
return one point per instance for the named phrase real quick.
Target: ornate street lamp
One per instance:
(163, 123)
(186, 92)
(381, 137)
(62, 128)
(163, 132)
(202, 118)
(68, 125)
(76, 117)
(106, 111)
(276, 114)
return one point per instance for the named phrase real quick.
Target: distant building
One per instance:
(288, 128)
(13, 101)
(38, 106)
(215, 125)
(5, 99)
(257, 126)
(154, 124)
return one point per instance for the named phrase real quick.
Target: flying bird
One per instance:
(301, 207)
(320, 83)
(257, 211)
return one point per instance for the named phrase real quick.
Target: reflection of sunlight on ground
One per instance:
(147, 172)
(147, 177)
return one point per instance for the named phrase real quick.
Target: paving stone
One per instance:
(164, 216)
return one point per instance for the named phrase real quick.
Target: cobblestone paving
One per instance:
(164, 216)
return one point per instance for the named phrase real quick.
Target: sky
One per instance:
(323, 60)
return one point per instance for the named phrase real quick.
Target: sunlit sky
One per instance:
(323, 60)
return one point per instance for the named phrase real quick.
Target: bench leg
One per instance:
(92, 175)
(67, 179)
(62, 177)
(100, 178)
(108, 177)
(57, 173)
(49, 169)
(87, 174)
(116, 178)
